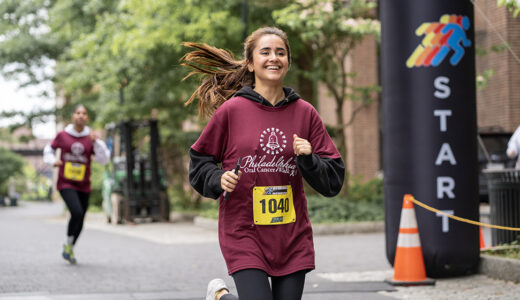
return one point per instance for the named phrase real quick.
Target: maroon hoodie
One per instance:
(263, 137)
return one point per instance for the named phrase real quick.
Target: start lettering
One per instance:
(445, 184)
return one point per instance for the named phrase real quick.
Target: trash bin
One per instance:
(504, 203)
(13, 200)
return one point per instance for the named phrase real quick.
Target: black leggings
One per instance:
(253, 284)
(77, 202)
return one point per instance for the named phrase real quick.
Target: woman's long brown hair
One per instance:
(223, 74)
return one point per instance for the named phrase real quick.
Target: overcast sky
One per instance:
(27, 100)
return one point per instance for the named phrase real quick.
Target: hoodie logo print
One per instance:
(77, 148)
(273, 140)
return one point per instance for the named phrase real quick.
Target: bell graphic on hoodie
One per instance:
(273, 141)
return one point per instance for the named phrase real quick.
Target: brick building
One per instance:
(363, 135)
(498, 104)
(31, 150)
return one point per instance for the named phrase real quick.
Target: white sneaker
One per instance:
(215, 286)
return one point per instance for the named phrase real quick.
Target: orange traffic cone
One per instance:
(409, 263)
(482, 242)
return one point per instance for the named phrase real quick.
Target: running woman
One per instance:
(276, 139)
(77, 143)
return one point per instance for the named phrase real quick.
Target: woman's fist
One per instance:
(301, 146)
(229, 180)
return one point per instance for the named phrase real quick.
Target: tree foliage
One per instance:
(512, 5)
(12, 164)
(120, 58)
(132, 57)
(24, 42)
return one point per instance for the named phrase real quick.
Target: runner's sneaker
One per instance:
(215, 286)
(68, 253)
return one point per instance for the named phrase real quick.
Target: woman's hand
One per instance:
(229, 180)
(301, 146)
(93, 137)
(57, 163)
(511, 153)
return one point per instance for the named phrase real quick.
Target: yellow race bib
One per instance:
(273, 205)
(74, 171)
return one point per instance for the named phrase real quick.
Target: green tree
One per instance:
(121, 58)
(130, 65)
(133, 68)
(12, 165)
(36, 33)
(512, 5)
(331, 29)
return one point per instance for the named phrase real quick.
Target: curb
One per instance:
(318, 229)
(348, 228)
(206, 223)
(176, 217)
(500, 267)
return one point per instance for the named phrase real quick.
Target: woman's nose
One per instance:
(273, 56)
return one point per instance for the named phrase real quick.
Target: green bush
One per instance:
(364, 204)
(11, 165)
(210, 210)
(96, 181)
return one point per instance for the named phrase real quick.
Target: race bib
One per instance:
(74, 171)
(273, 205)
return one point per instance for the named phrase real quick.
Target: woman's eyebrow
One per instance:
(269, 48)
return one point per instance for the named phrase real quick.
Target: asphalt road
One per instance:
(151, 260)
(176, 260)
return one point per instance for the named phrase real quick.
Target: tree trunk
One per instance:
(173, 160)
(341, 138)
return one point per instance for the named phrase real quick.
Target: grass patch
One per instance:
(511, 250)
(95, 209)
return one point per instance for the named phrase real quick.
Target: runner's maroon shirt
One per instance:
(243, 128)
(77, 150)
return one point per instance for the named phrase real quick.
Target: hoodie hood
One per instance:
(70, 130)
(249, 93)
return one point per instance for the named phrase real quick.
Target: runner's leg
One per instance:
(83, 199)
(289, 287)
(73, 202)
(252, 284)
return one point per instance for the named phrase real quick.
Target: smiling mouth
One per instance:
(273, 68)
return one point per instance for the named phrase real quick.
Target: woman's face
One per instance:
(270, 60)
(80, 116)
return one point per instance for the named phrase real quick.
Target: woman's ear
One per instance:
(250, 66)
